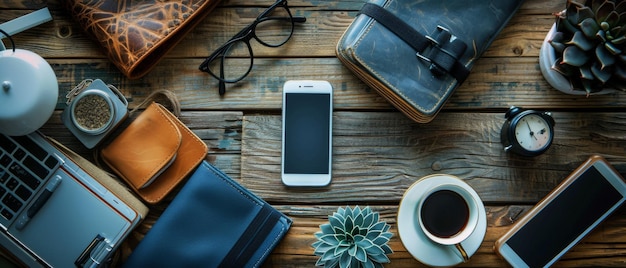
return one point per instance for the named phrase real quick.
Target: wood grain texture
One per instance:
(376, 156)
(220, 130)
(603, 247)
(519, 79)
(508, 68)
(378, 152)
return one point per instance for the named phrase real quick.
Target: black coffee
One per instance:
(444, 213)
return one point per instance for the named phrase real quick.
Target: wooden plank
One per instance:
(495, 83)
(326, 22)
(595, 250)
(221, 131)
(603, 247)
(197, 90)
(508, 68)
(377, 156)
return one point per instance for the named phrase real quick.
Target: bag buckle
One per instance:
(444, 52)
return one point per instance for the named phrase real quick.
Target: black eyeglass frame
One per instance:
(245, 35)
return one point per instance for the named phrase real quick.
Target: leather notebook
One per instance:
(416, 53)
(154, 153)
(212, 222)
(135, 34)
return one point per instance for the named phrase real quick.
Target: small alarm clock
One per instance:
(527, 132)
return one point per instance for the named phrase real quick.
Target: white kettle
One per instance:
(28, 86)
(28, 94)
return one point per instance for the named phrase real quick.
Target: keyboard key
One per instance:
(32, 147)
(23, 192)
(24, 176)
(6, 214)
(5, 161)
(12, 184)
(12, 202)
(4, 178)
(7, 144)
(36, 168)
(51, 162)
(19, 154)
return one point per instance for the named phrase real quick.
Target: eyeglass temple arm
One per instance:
(294, 19)
(299, 19)
(222, 84)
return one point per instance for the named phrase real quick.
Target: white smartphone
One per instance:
(307, 133)
(560, 220)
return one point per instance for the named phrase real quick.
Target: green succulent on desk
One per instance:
(590, 38)
(353, 238)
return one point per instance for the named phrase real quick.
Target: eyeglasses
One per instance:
(233, 61)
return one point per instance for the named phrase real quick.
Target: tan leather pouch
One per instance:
(154, 153)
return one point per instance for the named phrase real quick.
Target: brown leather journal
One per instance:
(135, 34)
(154, 153)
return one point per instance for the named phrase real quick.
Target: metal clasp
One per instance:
(442, 41)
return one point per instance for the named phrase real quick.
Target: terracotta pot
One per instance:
(547, 57)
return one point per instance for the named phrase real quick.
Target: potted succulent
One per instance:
(353, 237)
(585, 51)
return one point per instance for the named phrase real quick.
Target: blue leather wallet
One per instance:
(212, 222)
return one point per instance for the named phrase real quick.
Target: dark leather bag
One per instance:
(212, 222)
(416, 53)
(135, 34)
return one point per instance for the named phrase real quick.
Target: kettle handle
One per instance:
(26, 22)
(22, 23)
(2, 47)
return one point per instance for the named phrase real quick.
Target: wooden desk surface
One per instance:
(378, 152)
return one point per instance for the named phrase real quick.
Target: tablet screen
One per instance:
(565, 218)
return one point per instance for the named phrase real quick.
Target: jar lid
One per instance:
(28, 92)
(92, 111)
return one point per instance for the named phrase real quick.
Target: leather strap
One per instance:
(444, 54)
(252, 238)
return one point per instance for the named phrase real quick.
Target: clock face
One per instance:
(533, 132)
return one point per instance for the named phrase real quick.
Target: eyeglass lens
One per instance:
(274, 29)
(234, 60)
(234, 63)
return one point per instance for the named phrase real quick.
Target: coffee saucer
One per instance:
(417, 243)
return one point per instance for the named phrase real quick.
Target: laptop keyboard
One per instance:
(24, 167)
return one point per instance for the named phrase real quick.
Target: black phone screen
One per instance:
(307, 133)
(564, 219)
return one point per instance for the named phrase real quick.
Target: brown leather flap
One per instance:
(136, 34)
(144, 149)
(154, 153)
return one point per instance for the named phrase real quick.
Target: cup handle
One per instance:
(460, 248)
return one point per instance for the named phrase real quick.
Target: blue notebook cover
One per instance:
(212, 222)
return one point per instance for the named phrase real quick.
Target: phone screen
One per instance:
(307, 128)
(564, 219)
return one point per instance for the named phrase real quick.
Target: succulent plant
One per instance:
(353, 238)
(590, 40)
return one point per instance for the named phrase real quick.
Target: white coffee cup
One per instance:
(448, 215)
